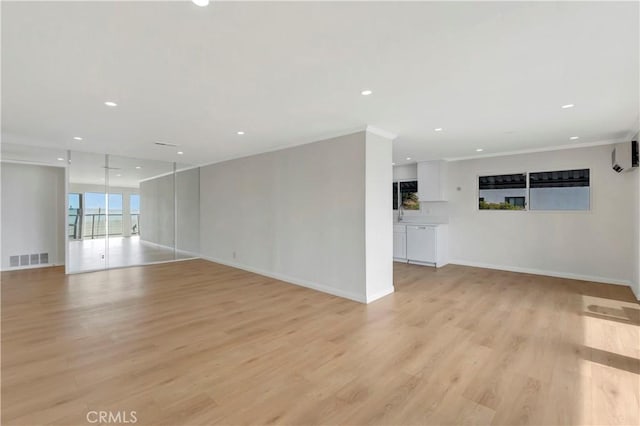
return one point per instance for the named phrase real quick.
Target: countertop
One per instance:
(419, 223)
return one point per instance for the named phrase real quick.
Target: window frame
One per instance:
(527, 196)
(558, 169)
(526, 189)
(405, 211)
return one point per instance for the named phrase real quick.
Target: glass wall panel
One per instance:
(125, 211)
(87, 216)
(141, 210)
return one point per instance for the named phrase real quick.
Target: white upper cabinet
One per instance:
(432, 181)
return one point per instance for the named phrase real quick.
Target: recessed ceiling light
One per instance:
(118, 175)
(111, 104)
(366, 92)
(479, 150)
(60, 159)
(573, 138)
(568, 106)
(78, 138)
(439, 129)
(393, 164)
(180, 152)
(408, 158)
(138, 167)
(201, 3)
(240, 132)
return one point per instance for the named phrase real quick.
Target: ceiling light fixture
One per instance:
(240, 132)
(408, 158)
(78, 138)
(111, 104)
(60, 159)
(201, 3)
(180, 152)
(479, 150)
(393, 164)
(567, 106)
(439, 129)
(118, 175)
(366, 92)
(138, 167)
(573, 138)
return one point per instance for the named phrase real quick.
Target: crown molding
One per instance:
(536, 150)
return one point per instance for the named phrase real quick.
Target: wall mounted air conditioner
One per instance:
(625, 156)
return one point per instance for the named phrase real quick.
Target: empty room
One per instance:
(320, 213)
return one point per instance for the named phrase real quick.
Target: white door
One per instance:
(400, 245)
(421, 243)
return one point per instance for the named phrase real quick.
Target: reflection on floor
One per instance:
(89, 255)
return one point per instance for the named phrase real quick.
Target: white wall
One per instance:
(33, 210)
(157, 211)
(297, 214)
(635, 282)
(595, 245)
(379, 217)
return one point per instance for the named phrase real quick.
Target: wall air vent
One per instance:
(28, 260)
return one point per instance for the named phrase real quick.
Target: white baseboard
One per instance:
(297, 281)
(603, 280)
(380, 294)
(25, 267)
(635, 292)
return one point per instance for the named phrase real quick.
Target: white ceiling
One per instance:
(90, 168)
(492, 75)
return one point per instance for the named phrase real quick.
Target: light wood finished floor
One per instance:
(194, 342)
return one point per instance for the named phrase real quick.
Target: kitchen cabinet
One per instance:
(432, 180)
(399, 242)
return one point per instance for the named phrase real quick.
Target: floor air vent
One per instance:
(35, 259)
(44, 257)
(14, 261)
